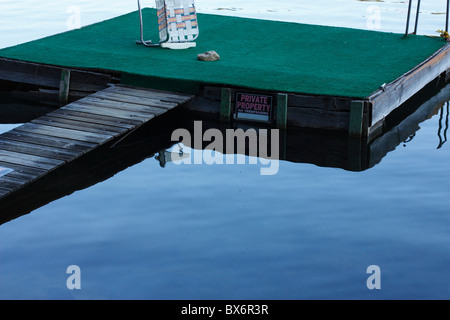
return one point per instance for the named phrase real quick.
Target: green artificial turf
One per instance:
(258, 54)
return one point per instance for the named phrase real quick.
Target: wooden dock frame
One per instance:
(359, 117)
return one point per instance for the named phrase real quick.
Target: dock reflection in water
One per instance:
(298, 146)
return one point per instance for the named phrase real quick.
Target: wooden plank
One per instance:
(398, 133)
(49, 141)
(95, 118)
(55, 118)
(319, 102)
(49, 76)
(318, 119)
(64, 133)
(282, 103)
(356, 119)
(124, 114)
(150, 93)
(23, 177)
(136, 100)
(142, 110)
(397, 92)
(13, 182)
(203, 105)
(38, 150)
(38, 159)
(22, 171)
(29, 160)
(9, 185)
(294, 100)
(4, 192)
(64, 87)
(45, 96)
(78, 125)
(225, 105)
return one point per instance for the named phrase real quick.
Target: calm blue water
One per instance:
(226, 232)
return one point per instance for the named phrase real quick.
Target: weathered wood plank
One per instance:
(23, 172)
(64, 133)
(318, 119)
(356, 118)
(49, 141)
(282, 105)
(78, 125)
(14, 181)
(95, 118)
(4, 192)
(64, 87)
(203, 105)
(136, 100)
(49, 76)
(51, 117)
(320, 102)
(124, 114)
(150, 93)
(29, 160)
(294, 100)
(225, 105)
(25, 178)
(38, 150)
(142, 110)
(38, 159)
(9, 185)
(397, 92)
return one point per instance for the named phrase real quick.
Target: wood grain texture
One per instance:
(59, 137)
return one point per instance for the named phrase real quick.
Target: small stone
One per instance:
(208, 56)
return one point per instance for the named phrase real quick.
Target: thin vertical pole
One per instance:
(417, 17)
(64, 87)
(225, 105)
(356, 118)
(409, 16)
(446, 15)
(282, 104)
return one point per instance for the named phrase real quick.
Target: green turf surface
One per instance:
(259, 54)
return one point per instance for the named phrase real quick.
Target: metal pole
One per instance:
(147, 43)
(446, 15)
(417, 17)
(409, 16)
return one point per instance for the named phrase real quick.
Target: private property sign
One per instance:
(255, 107)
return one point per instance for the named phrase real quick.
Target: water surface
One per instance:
(224, 231)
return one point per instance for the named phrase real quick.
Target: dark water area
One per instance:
(140, 226)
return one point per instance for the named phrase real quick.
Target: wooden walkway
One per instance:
(48, 142)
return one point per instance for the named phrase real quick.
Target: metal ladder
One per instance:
(417, 17)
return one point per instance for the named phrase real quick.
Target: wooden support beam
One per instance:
(282, 103)
(356, 118)
(64, 87)
(225, 106)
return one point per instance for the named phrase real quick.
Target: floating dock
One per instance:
(320, 77)
(104, 86)
(34, 149)
(151, 141)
